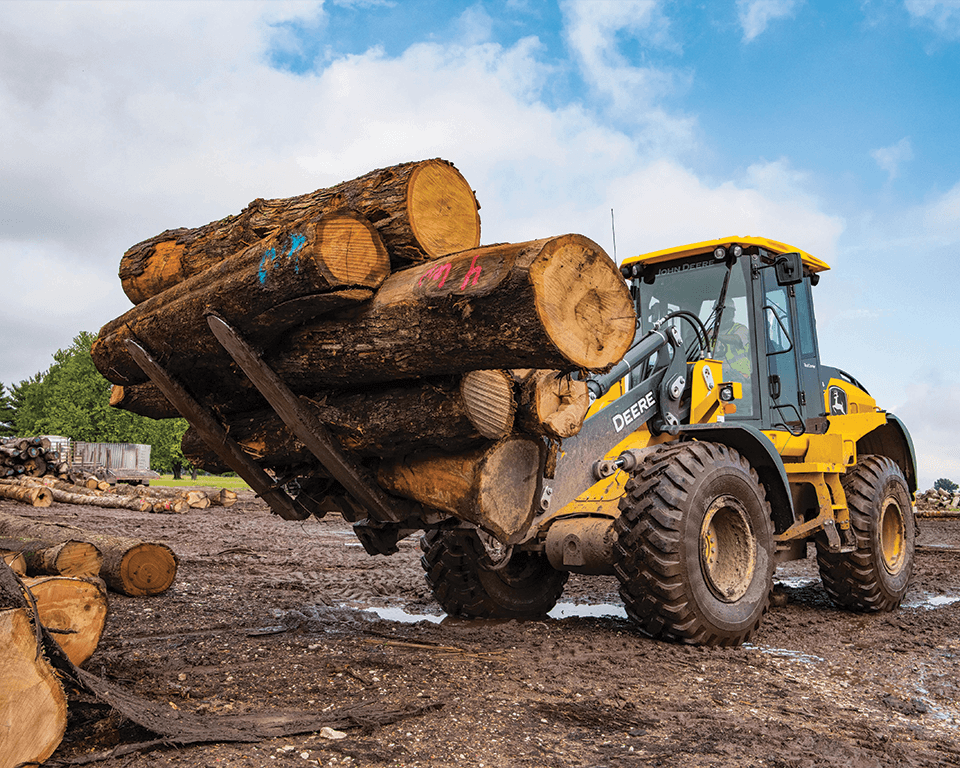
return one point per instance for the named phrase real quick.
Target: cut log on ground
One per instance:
(73, 610)
(222, 498)
(15, 560)
(68, 558)
(104, 500)
(493, 487)
(450, 414)
(286, 279)
(421, 210)
(33, 707)
(130, 566)
(35, 497)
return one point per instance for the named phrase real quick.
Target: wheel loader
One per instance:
(718, 448)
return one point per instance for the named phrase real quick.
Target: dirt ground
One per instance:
(269, 616)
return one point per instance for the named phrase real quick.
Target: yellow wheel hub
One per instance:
(728, 549)
(892, 531)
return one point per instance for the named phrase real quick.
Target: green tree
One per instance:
(944, 484)
(7, 413)
(72, 399)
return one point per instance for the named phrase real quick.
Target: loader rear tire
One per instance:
(875, 576)
(458, 572)
(693, 553)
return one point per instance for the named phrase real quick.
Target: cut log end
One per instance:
(508, 484)
(168, 268)
(33, 707)
(442, 209)
(552, 404)
(75, 607)
(147, 569)
(488, 399)
(583, 302)
(491, 487)
(351, 250)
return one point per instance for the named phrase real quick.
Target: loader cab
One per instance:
(746, 302)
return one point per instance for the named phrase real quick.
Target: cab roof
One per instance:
(707, 246)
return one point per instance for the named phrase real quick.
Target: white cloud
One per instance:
(669, 205)
(755, 15)
(593, 28)
(942, 15)
(891, 158)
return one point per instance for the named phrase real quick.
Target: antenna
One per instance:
(613, 228)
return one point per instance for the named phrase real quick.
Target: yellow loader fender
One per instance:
(754, 446)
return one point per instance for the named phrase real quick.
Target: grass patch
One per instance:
(209, 481)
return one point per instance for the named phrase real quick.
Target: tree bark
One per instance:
(68, 558)
(73, 610)
(285, 279)
(35, 497)
(421, 210)
(145, 400)
(33, 707)
(448, 415)
(130, 566)
(492, 487)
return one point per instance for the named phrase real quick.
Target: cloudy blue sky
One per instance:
(831, 126)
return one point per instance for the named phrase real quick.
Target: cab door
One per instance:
(793, 387)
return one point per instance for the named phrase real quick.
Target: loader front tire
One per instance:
(694, 546)
(458, 571)
(875, 576)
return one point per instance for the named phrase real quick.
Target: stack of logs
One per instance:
(31, 456)
(91, 491)
(443, 367)
(63, 573)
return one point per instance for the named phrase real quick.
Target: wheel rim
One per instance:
(728, 549)
(892, 535)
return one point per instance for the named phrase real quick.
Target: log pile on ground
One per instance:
(444, 367)
(42, 491)
(32, 456)
(42, 620)
(937, 502)
(127, 565)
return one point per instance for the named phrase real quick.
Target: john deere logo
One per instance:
(838, 402)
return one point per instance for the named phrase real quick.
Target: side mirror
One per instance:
(789, 269)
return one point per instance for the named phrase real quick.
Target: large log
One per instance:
(421, 210)
(143, 399)
(290, 277)
(447, 415)
(68, 558)
(73, 610)
(33, 706)
(493, 487)
(554, 303)
(35, 497)
(130, 566)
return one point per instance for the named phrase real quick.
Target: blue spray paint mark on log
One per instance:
(296, 243)
(270, 255)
